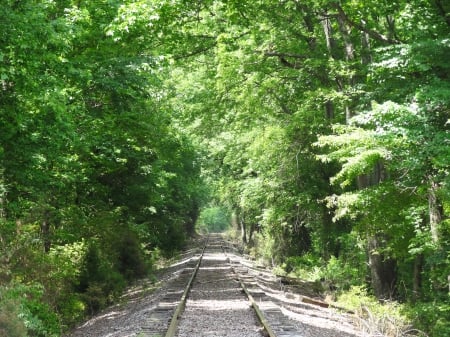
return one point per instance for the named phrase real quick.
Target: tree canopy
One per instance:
(320, 128)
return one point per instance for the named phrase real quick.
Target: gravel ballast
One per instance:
(217, 307)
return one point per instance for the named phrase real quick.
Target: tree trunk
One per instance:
(2, 208)
(234, 221)
(329, 39)
(344, 30)
(309, 24)
(243, 231)
(2, 197)
(239, 225)
(436, 210)
(45, 231)
(382, 270)
(329, 110)
(390, 21)
(417, 276)
(330, 246)
(251, 231)
(193, 216)
(349, 53)
(366, 53)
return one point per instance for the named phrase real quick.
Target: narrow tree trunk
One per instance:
(417, 277)
(329, 244)
(234, 221)
(191, 221)
(2, 208)
(45, 231)
(239, 225)
(344, 30)
(251, 231)
(329, 39)
(331, 47)
(329, 110)
(390, 21)
(436, 210)
(2, 197)
(349, 52)
(309, 24)
(366, 55)
(243, 231)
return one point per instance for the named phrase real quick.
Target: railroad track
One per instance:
(216, 302)
(208, 298)
(222, 297)
(214, 292)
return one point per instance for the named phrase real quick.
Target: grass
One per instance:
(376, 319)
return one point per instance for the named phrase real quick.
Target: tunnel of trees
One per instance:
(320, 128)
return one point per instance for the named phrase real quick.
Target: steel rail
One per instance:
(180, 307)
(262, 319)
(172, 329)
(258, 311)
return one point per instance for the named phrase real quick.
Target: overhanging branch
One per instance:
(372, 33)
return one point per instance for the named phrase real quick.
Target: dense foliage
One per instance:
(327, 129)
(94, 176)
(321, 126)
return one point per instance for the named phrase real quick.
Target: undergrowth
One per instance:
(341, 284)
(376, 319)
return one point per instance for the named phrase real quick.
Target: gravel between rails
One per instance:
(216, 306)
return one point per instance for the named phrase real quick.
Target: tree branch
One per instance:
(283, 58)
(194, 53)
(278, 54)
(372, 33)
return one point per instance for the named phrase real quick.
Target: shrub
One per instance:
(36, 315)
(10, 323)
(174, 237)
(94, 297)
(304, 267)
(130, 262)
(340, 275)
(377, 319)
(99, 281)
(432, 317)
(64, 272)
(71, 308)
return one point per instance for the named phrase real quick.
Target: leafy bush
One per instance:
(374, 318)
(94, 297)
(432, 317)
(335, 273)
(71, 309)
(58, 273)
(341, 275)
(99, 281)
(304, 267)
(264, 248)
(130, 262)
(28, 302)
(10, 323)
